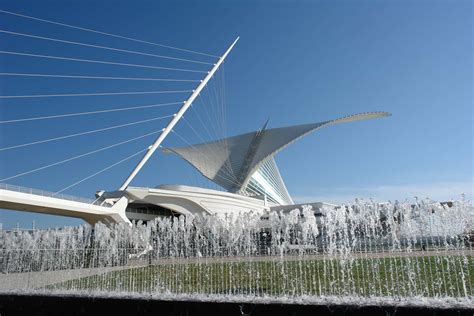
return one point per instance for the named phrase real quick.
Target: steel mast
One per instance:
(176, 118)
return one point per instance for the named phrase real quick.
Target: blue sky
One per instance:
(296, 62)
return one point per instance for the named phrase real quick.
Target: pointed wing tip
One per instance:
(362, 116)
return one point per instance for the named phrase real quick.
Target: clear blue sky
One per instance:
(296, 62)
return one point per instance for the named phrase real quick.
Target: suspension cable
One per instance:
(79, 156)
(90, 94)
(101, 171)
(105, 33)
(102, 47)
(83, 133)
(95, 77)
(210, 137)
(100, 62)
(88, 113)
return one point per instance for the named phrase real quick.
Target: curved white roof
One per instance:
(231, 162)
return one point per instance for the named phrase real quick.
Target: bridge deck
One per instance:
(32, 200)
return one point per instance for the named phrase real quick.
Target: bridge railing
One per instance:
(16, 188)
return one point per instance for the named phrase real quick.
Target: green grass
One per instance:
(424, 276)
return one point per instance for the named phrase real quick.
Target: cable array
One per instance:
(89, 94)
(80, 156)
(103, 47)
(53, 139)
(105, 33)
(212, 108)
(210, 125)
(95, 77)
(49, 117)
(101, 171)
(103, 62)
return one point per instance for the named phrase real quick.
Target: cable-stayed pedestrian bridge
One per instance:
(241, 168)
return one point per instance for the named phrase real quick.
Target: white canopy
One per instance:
(231, 162)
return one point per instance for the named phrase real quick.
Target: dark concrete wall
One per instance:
(55, 305)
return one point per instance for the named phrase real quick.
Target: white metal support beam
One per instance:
(176, 118)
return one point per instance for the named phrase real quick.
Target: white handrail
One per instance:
(16, 188)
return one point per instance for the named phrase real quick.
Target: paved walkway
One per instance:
(38, 280)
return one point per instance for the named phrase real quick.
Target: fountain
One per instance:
(362, 253)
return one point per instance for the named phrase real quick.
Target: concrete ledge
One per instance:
(23, 304)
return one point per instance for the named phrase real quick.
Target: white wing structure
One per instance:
(244, 163)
